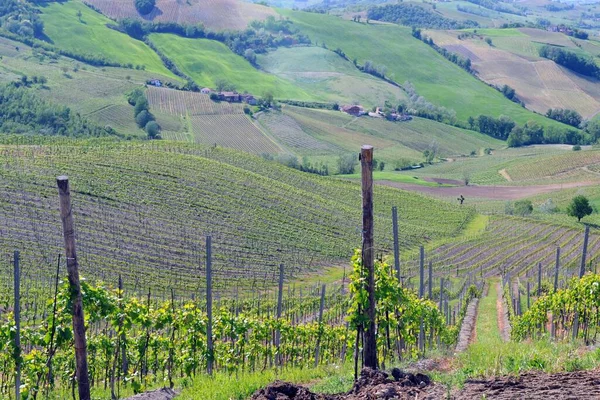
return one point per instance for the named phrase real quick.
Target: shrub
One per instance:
(145, 7)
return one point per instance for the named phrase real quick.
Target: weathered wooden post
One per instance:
(421, 272)
(322, 305)
(430, 280)
(441, 292)
(368, 254)
(17, 290)
(209, 337)
(539, 293)
(396, 243)
(556, 268)
(66, 216)
(279, 359)
(581, 273)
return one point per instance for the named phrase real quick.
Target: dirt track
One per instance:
(487, 192)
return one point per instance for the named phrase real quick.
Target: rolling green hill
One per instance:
(90, 35)
(207, 61)
(164, 197)
(408, 59)
(328, 76)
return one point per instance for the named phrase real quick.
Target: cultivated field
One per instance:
(182, 103)
(142, 210)
(513, 60)
(213, 14)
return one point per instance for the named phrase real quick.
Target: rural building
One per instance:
(156, 82)
(232, 97)
(353, 110)
(205, 91)
(248, 98)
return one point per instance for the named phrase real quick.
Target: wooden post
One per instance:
(17, 287)
(556, 268)
(396, 243)
(528, 296)
(539, 280)
(581, 273)
(441, 292)
(421, 272)
(279, 359)
(317, 349)
(584, 251)
(66, 215)
(368, 253)
(209, 338)
(430, 280)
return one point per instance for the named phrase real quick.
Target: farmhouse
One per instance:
(355, 110)
(205, 90)
(229, 96)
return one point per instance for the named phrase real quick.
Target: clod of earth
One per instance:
(371, 385)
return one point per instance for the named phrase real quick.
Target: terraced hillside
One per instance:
(513, 60)
(143, 210)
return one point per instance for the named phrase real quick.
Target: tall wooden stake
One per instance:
(368, 253)
(66, 215)
(278, 359)
(539, 293)
(556, 268)
(421, 272)
(396, 243)
(430, 280)
(17, 287)
(209, 338)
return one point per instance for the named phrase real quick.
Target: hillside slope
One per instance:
(408, 59)
(143, 209)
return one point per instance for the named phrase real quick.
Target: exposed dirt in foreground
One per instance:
(503, 321)
(487, 192)
(534, 386)
(377, 385)
(371, 385)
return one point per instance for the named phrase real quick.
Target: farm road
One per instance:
(487, 192)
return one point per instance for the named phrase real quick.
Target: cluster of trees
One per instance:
(312, 104)
(305, 165)
(569, 117)
(22, 112)
(370, 67)
(555, 6)
(464, 63)
(504, 128)
(145, 7)
(143, 117)
(581, 64)
(419, 106)
(510, 94)
(579, 207)
(414, 15)
(474, 10)
(20, 18)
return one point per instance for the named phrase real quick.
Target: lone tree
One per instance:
(579, 207)
(523, 207)
(145, 7)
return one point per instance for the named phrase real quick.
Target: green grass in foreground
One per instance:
(90, 35)
(490, 356)
(207, 61)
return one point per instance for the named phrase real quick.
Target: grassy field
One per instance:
(89, 35)
(206, 61)
(328, 76)
(438, 80)
(326, 134)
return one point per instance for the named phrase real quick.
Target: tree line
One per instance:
(141, 111)
(414, 15)
(581, 64)
(23, 112)
(463, 62)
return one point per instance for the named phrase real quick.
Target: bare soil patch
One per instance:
(534, 386)
(503, 322)
(371, 385)
(487, 192)
(444, 181)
